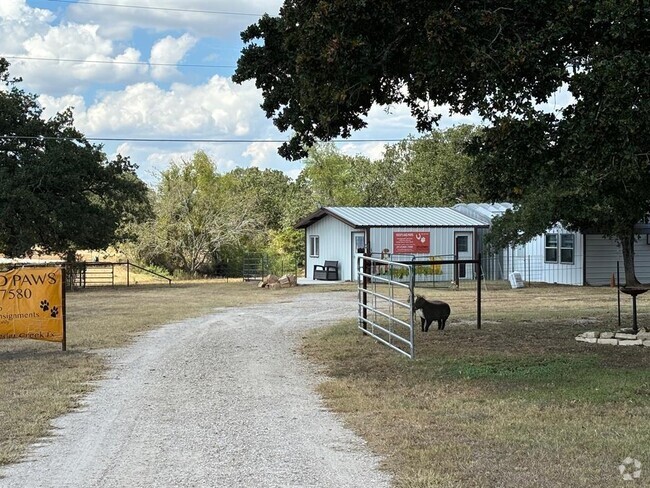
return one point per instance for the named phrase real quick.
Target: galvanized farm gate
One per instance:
(386, 290)
(385, 304)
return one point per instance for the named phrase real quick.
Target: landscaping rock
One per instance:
(612, 342)
(591, 335)
(581, 339)
(646, 343)
(606, 335)
(636, 342)
(624, 336)
(643, 335)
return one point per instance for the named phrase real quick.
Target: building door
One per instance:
(358, 242)
(463, 248)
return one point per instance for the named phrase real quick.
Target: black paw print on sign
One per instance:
(45, 305)
(54, 312)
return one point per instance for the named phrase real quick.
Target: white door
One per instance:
(464, 248)
(358, 242)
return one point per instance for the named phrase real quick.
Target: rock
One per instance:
(275, 285)
(646, 343)
(591, 335)
(612, 342)
(293, 279)
(270, 279)
(643, 335)
(627, 330)
(636, 342)
(591, 340)
(261, 284)
(606, 335)
(581, 339)
(624, 336)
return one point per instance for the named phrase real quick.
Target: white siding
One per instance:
(602, 255)
(540, 271)
(335, 245)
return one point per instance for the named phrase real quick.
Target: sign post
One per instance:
(32, 304)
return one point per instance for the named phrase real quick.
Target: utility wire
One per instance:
(211, 141)
(108, 61)
(168, 9)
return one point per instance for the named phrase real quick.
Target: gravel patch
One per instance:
(222, 400)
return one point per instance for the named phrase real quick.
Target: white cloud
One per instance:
(261, 153)
(169, 50)
(19, 22)
(52, 106)
(371, 150)
(216, 108)
(78, 42)
(119, 22)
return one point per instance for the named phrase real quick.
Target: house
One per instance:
(559, 255)
(341, 233)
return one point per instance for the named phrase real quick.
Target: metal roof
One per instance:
(393, 217)
(484, 212)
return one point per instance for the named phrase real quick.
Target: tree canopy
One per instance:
(58, 192)
(322, 65)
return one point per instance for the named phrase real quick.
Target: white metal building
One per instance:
(559, 256)
(338, 233)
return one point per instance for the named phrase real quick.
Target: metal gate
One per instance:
(385, 313)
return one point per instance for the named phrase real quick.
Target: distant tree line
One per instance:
(201, 219)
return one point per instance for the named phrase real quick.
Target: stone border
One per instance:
(621, 338)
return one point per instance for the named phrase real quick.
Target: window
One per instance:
(314, 246)
(567, 245)
(550, 251)
(559, 248)
(462, 243)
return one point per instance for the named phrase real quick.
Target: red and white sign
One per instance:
(411, 243)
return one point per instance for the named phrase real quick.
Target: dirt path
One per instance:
(220, 401)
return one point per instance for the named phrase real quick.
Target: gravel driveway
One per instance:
(220, 401)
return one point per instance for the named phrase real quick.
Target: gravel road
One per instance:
(220, 401)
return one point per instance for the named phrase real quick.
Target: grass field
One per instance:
(517, 404)
(39, 382)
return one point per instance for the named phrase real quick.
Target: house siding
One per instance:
(335, 245)
(602, 255)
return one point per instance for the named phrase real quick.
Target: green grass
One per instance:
(517, 403)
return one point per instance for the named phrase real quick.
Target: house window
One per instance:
(462, 244)
(559, 248)
(314, 246)
(550, 251)
(567, 245)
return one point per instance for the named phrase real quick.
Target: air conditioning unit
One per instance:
(516, 281)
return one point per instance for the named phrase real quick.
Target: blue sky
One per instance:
(130, 95)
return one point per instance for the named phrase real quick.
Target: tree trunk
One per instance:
(627, 246)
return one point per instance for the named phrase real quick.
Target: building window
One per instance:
(314, 246)
(567, 245)
(559, 248)
(550, 251)
(462, 244)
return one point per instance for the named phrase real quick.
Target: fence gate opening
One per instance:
(385, 307)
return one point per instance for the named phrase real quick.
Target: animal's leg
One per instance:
(444, 322)
(423, 323)
(428, 325)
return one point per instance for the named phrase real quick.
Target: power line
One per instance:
(209, 141)
(99, 61)
(169, 9)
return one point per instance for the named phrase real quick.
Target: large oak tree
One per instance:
(321, 66)
(58, 192)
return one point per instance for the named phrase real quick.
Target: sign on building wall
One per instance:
(32, 304)
(411, 242)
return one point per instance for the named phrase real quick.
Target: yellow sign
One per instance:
(31, 304)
